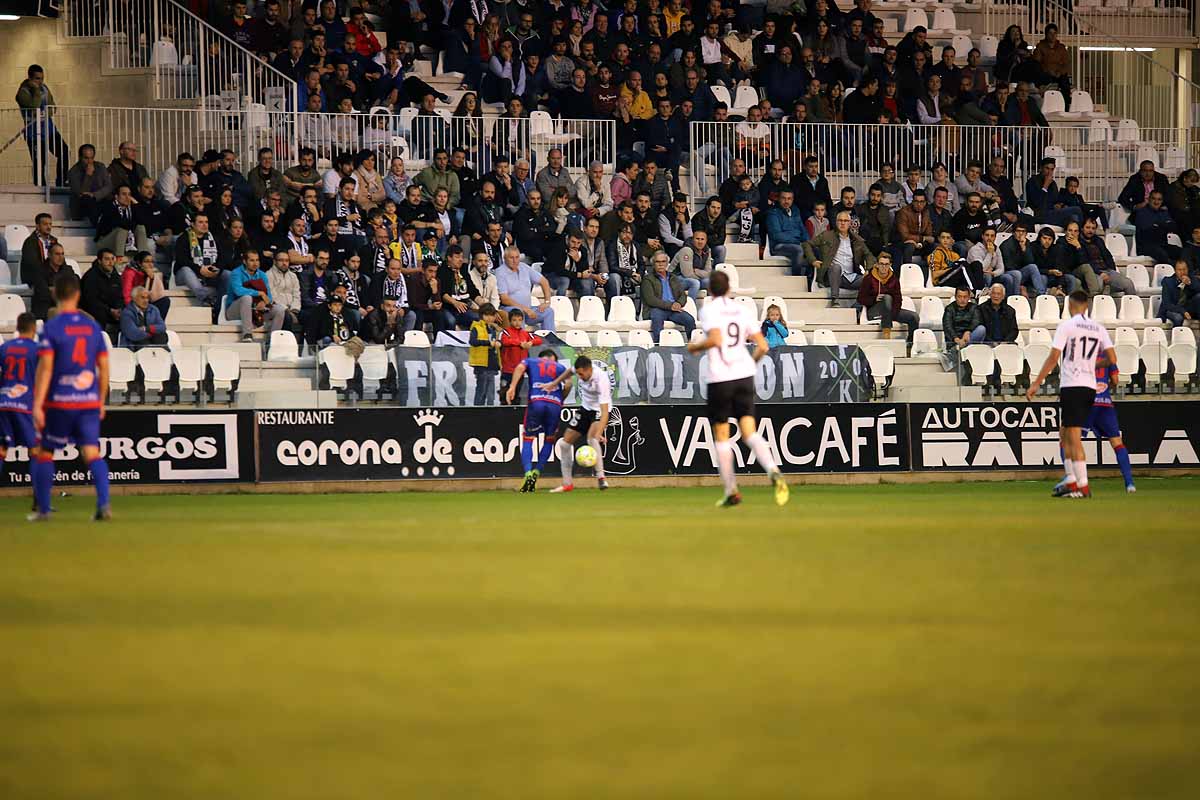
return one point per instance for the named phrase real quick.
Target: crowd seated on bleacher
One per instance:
(375, 249)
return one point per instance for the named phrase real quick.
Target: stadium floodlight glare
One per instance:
(9, 18)
(1099, 49)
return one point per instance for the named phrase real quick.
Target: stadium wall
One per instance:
(385, 449)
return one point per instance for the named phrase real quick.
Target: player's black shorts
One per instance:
(731, 399)
(583, 420)
(1075, 405)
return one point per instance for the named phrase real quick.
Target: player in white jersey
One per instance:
(731, 366)
(1077, 344)
(595, 399)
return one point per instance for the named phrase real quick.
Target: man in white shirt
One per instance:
(595, 400)
(1078, 342)
(730, 375)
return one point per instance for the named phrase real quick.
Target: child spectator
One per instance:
(745, 202)
(515, 342)
(484, 356)
(818, 223)
(774, 328)
(942, 260)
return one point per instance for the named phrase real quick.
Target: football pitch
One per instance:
(931, 641)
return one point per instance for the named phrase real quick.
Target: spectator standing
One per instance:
(1183, 200)
(484, 354)
(998, 317)
(36, 103)
(662, 295)
(879, 295)
(1051, 55)
(141, 323)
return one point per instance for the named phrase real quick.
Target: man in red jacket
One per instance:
(879, 294)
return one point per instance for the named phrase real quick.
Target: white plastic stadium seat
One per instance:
(1126, 335)
(914, 17)
(1053, 103)
(1154, 361)
(564, 312)
(174, 341)
(1155, 335)
(796, 338)
(640, 337)
(925, 344)
(751, 306)
(912, 279)
(1012, 363)
(1045, 309)
(721, 94)
(735, 282)
(1161, 271)
(988, 46)
(1104, 310)
(1132, 309)
(577, 338)
(982, 361)
(283, 347)
(961, 44)
(622, 315)
(1035, 356)
(11, 307)
(591, 312)
(1020, 307)
(944, 23)
(339, 363)
(122, 369)
(416, 339)
(1183, 359)
(189, 362)
(374, 363)
(931, 312)
(671, 338)
(1127, 361)
(15, 236)
(883, 363)
(608, 338)
(1140, 277)
(746, 96)
(226, 367)
(1183, 335)
(775, 300)
(1040, 336)
(156, 366)
(824, 336)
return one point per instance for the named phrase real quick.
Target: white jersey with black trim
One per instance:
(732, 360)
(595, 391)
(1080, 341)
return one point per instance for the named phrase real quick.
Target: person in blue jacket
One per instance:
(249, 299)
(786, 233)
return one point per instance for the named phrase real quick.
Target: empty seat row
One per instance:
(191, 365)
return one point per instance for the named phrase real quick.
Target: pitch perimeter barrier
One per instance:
(151, 447)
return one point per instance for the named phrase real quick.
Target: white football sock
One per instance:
(762, 453)
(725, 466)
(565, 454)
(1069, 469)
(595, 443)
(1081, 479)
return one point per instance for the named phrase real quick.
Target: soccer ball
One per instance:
(585, 456)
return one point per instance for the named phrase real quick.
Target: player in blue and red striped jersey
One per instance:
(68, 396)
(1102, 421)
(544, 411)
(18, 365)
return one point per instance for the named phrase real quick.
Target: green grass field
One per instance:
(942, 641)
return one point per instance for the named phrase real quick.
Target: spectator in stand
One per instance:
(141, 323)
(714, 223)
(1052, 57)
(285, 291)
(249, 299)
(986, 254)
(817, 222)
(879, 295)
(152, 230)
(567, 266)
(196, 263)
(774, 327)
(391, 283)
(114, 230)
(875, 221)
(593, 193)
(694, 263)
(941, 178)
(674, 226)
(35, 251)
(42, 300)
(1191, 252)
(1042, 195)
(1180, 297)
(91, 185)
(176, 178)
(459, 308)
(998, 317)
(483, 282)
(395, 183)
(1094, 253)
(331, 326)
(265, 177)
(369, 192)
(515, 282)
(1073, 199)
(962, 324)
(1183, 199)
(839, 257)
(142, 272)
(555, 175)
(1049, 257)
(948, 268)
(303, 174)
(890, 187)
(969, 223)
(662, 295)
(664, 136)
(626, 260)
(621, 187)
(124, 169)
(1018, 256)
(787, 234)
(1153, 222)
(534, 229)
(386, 324)
(100, 293)
(941, 218)
(914, 232)
(1136, 193)
(655, 184)
(425, 298)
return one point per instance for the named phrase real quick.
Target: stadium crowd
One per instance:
(373, 249)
